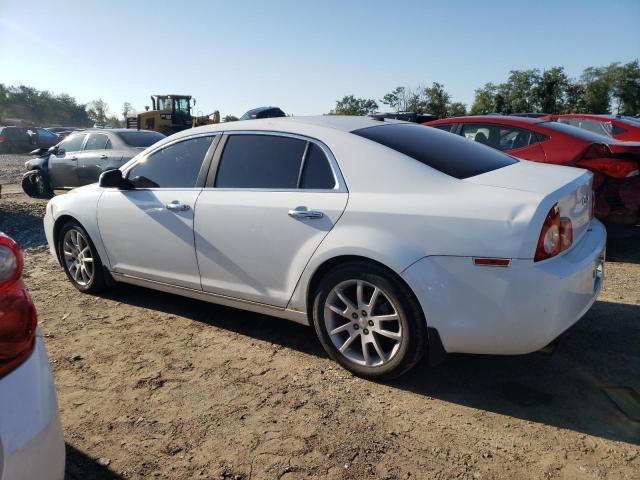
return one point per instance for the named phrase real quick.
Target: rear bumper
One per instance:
(509, 310)
(31, 441)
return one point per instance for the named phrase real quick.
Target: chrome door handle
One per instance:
(73, 159)
(103, 157)
(176, 206)
(305, 214)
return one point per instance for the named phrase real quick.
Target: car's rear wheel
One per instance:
(368, 321)
(80, 259)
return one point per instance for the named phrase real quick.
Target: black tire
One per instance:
(97, 280)
(36, 185)
(411, 323)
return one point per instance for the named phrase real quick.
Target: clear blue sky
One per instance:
(301, 55)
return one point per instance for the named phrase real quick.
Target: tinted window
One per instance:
(96, 141)
(447, 153)
(176, 166)
(616, 130)
(260, 161)
(108, 145)
(575, 132)
(73, 143)
(316, 172)
(140, 139)
(446, 128)
(500, 137)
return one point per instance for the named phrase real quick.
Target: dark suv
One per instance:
(24, 140)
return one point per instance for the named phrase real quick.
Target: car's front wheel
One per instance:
(368, 321)
(35, 184)
(80, 259)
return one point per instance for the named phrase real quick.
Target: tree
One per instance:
(456, 109)
(598, 88)
(436, 100)
(397, 99)
(350, 105)
(548, 94)
(98, 110)
(626, 88)
(230, 118)
(485, 100)
(127, 109)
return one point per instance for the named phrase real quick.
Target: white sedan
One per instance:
(390, 238)
(31, 443)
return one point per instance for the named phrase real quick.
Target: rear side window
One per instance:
(96, 141)
(449, 154)
(500, 137)
(316, 172)
(445, 127)
(260, 161)
(175, 166)
(575, 132)
(140, 139)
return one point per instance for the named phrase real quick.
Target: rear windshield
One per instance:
(451, 154)
(140, 139)
(575, 132)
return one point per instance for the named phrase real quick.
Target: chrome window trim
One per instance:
(340, 184)
(126, 171)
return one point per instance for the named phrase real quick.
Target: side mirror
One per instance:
(113, 179)
(53, 149)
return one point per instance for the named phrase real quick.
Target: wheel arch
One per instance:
(435, 349)
(57, 225)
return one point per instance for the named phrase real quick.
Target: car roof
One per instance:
(342, 123)
(490, 119)
(109, 130)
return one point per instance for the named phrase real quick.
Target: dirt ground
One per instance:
(151, 385)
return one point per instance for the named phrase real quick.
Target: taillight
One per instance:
(598, 158)
(10, 262)
(18, 317)
(556, 235)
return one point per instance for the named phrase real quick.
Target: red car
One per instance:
(614, 163)
(616, 126)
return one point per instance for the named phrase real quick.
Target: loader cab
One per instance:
(169, 114)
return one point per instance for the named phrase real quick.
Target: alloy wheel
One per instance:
(78, 257)
(363, 323)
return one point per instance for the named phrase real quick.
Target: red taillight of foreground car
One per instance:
(18, 317)
(556, 235)
(598, 158)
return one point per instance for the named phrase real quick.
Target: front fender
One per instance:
(40, 163)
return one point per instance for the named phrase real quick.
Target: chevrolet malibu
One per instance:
(391, 239)
(31, 443)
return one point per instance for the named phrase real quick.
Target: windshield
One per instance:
(447, 153)
(182, 105)
(140, 139)
(575, 132)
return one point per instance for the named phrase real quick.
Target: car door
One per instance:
(147, 231)
(94, 157)
(273, 200)
(63, 164)
(519, 142)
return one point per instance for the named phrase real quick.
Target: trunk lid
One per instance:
(569, 187)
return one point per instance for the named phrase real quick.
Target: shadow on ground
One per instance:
(80, 466)
(623, 244)
(563, 389)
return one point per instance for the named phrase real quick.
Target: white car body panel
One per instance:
(146, 250)
(422, 224)
(31, 442)
(238, 254)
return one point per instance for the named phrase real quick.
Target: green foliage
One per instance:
(230, 118)
(127, 110)
(434, 100)
(41, 107)
(350, 105)
(610, 89)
